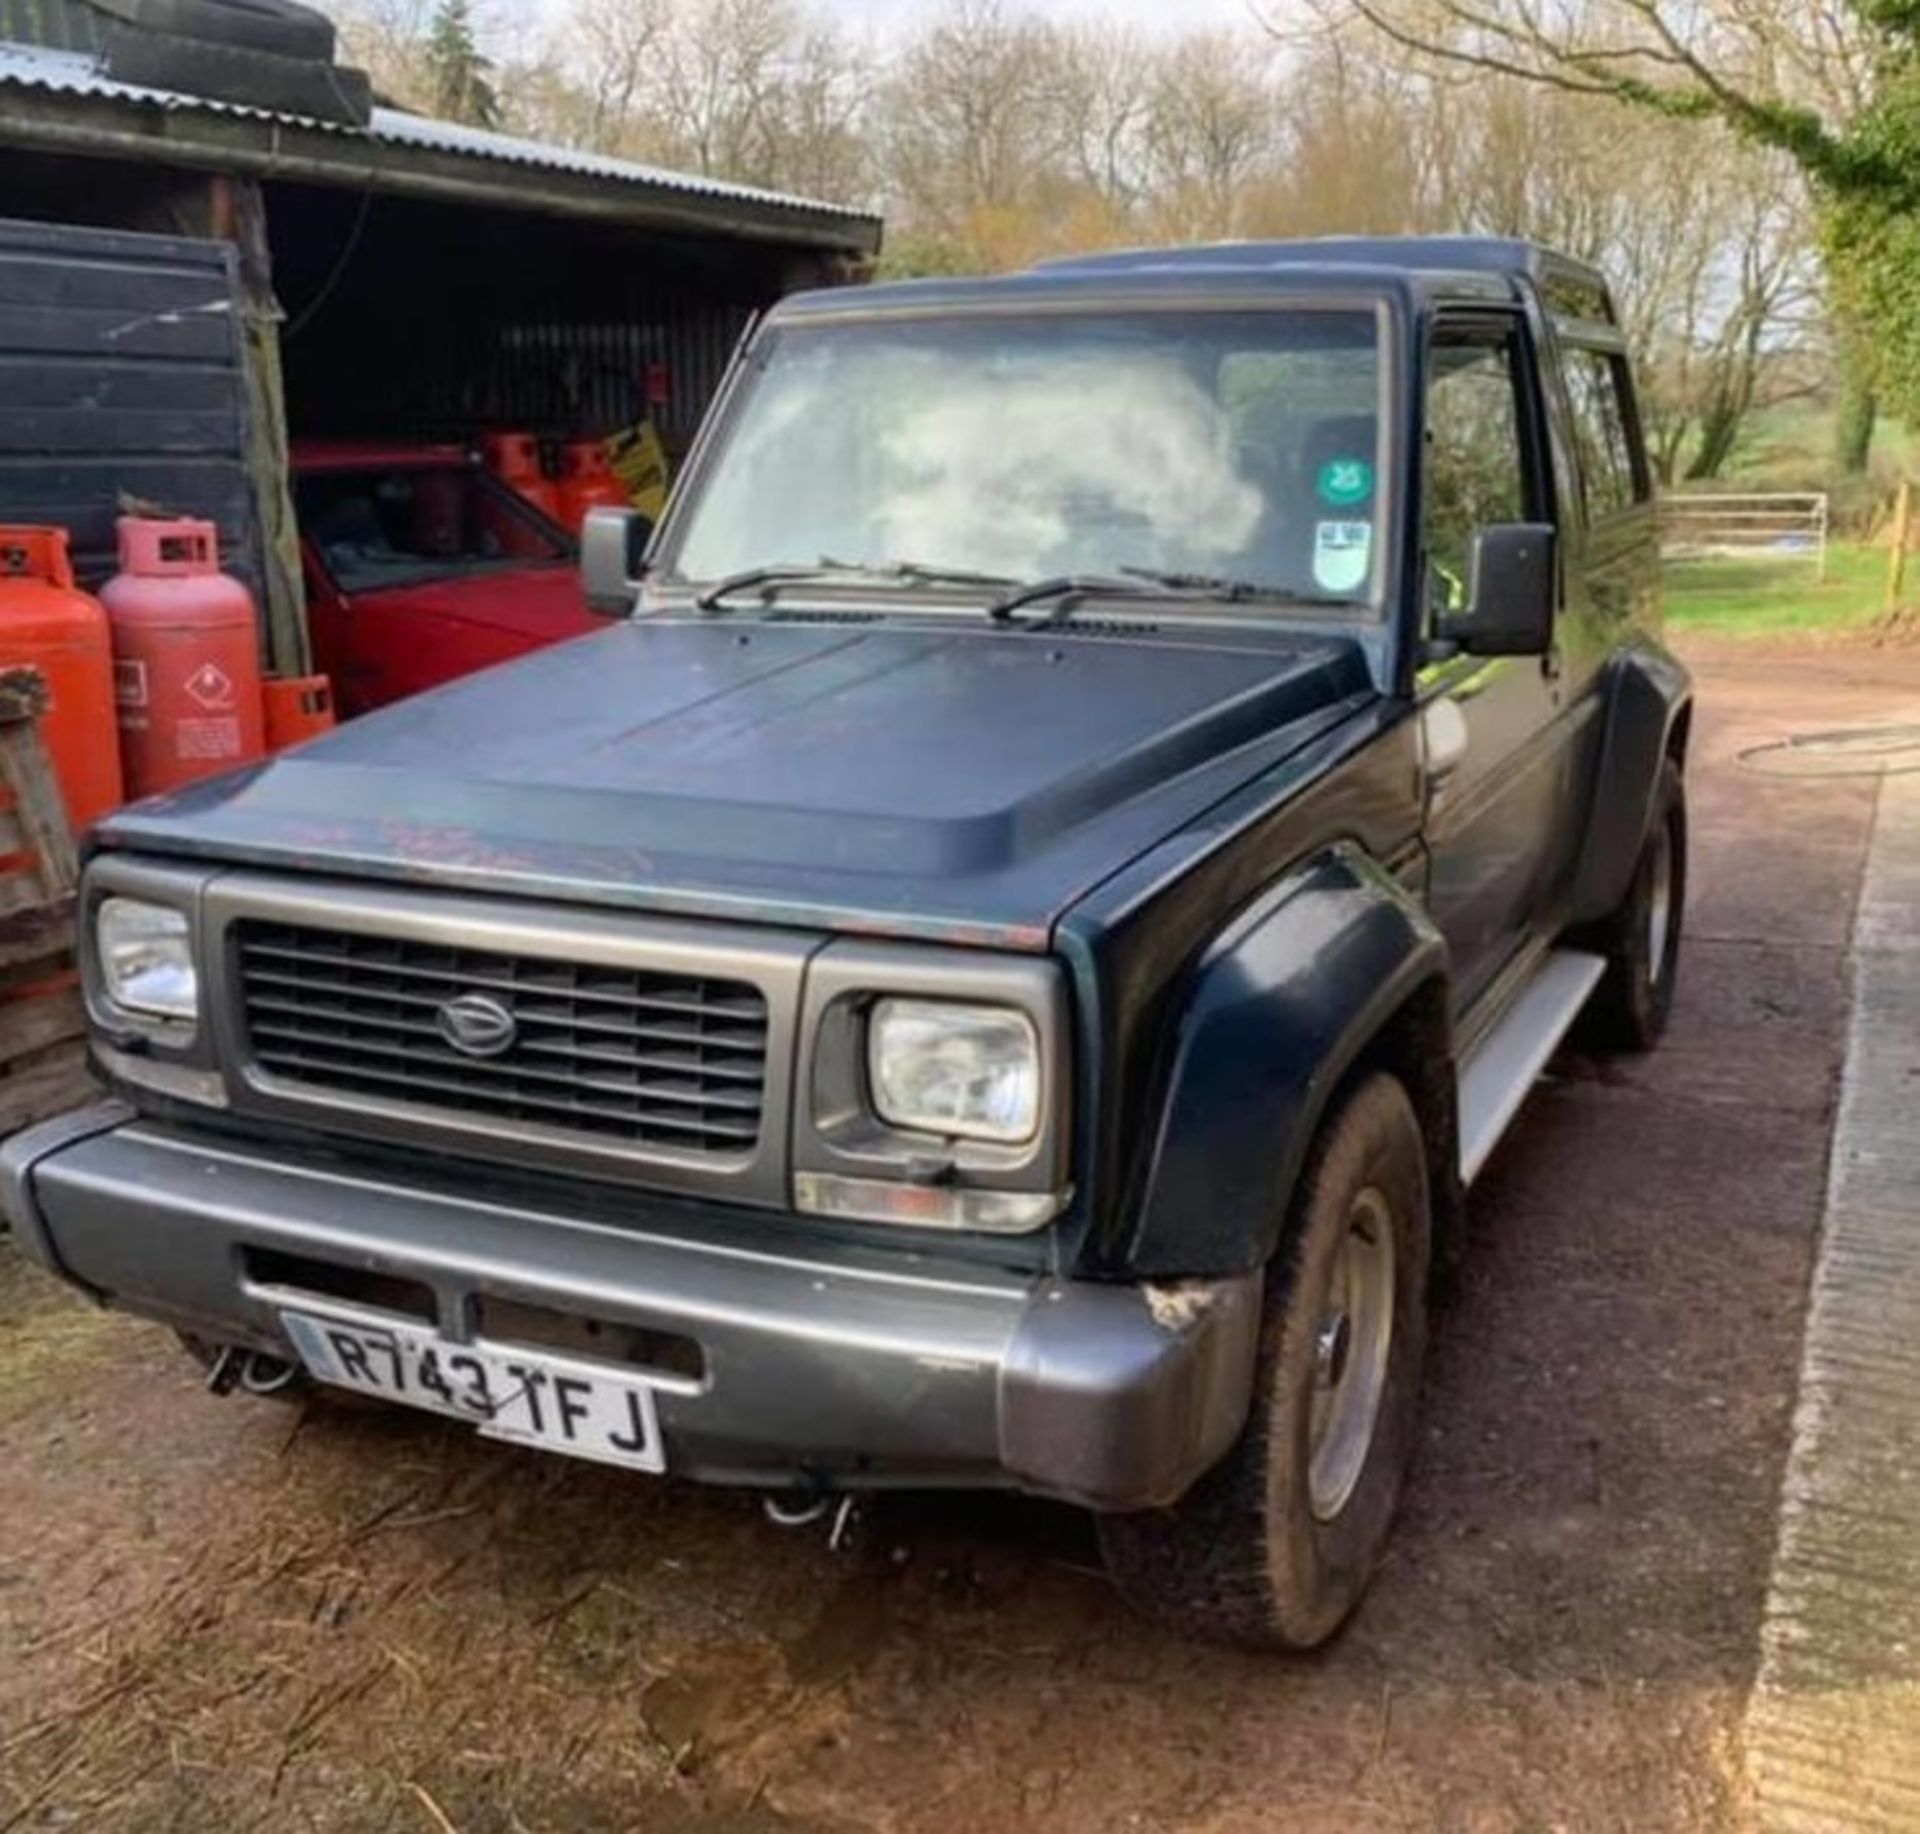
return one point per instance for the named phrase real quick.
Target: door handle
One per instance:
(1444, 741)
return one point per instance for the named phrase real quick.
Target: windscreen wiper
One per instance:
(1077, 586)
(918, 573)
(1216, 586)
(790, 573)
(926, 573)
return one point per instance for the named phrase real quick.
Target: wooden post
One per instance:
(230, 209)
(1902, 534)
(43, 1062)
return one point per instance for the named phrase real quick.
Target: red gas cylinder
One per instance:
(186, 651)
(587, 482)
(45, 620)
(514, 458)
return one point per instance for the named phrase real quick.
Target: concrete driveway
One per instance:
(233, 1614)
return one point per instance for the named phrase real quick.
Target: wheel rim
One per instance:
(1659, 904)
(1352, 1349)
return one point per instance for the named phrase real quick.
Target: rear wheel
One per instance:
(1630, 1007)
(1275, 1545)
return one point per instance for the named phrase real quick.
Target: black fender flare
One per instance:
(1649, 695)
(1278, 1010)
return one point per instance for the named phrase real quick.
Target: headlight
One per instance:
(971, 1072)
(146, 958)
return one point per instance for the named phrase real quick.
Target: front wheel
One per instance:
(1275, 1545)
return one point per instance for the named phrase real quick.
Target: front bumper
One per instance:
(823, 1364)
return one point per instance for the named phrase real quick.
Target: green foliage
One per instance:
(460, 73)
(1871, 232)
(924, 257)
(1867, 175)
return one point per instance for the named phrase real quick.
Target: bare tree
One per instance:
(967, 122)
(1213, 128)
(820, 143)
(388, 39)
(1788, 73)
(1104, 91)
(618, 46)
(1825, 84)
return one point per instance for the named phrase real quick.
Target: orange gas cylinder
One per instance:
(45, 620)
(186, 651)
(587, 482)
(298, 708)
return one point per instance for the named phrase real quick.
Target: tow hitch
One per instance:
(841, 1514)
(253, 1371)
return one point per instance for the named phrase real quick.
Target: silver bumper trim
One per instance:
(828, 1364)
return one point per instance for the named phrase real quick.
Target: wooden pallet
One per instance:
(42, 1020)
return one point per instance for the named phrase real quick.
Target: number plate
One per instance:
(528, 1397)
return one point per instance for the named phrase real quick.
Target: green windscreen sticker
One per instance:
(1346, 481)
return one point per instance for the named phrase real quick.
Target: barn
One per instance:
(214, 241)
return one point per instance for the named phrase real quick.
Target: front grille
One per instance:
(647, 1059)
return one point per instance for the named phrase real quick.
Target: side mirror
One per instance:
(613, 544)
(1510, 592)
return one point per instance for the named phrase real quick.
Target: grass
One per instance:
(1764, 598)
(47, 1333)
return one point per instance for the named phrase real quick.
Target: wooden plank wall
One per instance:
(121, 375)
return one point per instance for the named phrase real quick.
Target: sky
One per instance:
(1166, 13)
(881, 15)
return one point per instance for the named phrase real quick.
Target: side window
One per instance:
(1476, 459)
(1596, 380)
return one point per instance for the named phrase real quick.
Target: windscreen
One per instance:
(1237, 444)
(402, 527)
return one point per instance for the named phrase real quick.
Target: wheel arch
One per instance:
(1336, 971)
(1649, 720)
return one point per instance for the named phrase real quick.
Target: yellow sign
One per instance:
(639, 461)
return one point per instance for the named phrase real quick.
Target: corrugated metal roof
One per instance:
(74, 73)
(394, 126)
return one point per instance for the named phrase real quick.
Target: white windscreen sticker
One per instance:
(1342, 552)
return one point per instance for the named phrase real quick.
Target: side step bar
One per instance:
(1507, 1062)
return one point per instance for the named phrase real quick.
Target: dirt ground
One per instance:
(231, 1614)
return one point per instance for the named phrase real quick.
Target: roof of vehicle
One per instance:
(1509, 255)
(1483, 268)
(374, 455)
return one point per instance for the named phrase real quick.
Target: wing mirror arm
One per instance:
(613, 547)
(1512, 569)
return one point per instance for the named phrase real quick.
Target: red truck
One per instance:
(421, 566)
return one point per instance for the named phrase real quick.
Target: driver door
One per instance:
(1493, 767)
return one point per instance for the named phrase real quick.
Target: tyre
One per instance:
(1641, 941)
(282, 27)
(1274, 1547)
(239, 74)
